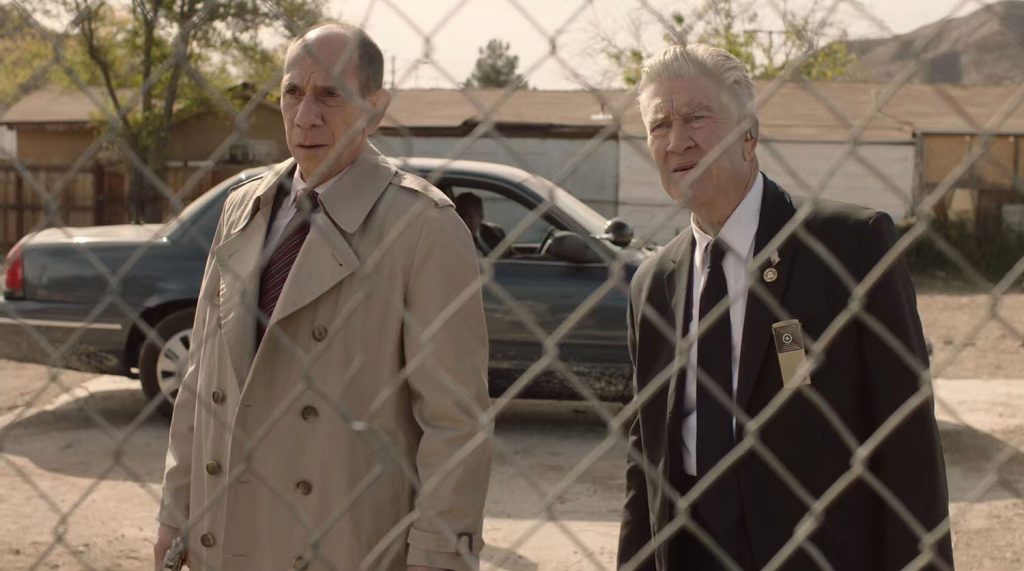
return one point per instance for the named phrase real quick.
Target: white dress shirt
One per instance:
(737, 235)
(289, 208)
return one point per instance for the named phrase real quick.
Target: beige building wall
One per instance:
(207, 137)
(53, 147)
(1020, 163)
(993, 170)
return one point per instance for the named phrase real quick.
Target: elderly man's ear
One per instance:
(750, 139)
(379, 102)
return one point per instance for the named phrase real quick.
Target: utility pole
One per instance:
(392, 71)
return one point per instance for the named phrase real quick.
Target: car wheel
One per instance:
(164, 360)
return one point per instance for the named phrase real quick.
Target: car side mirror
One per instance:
(618, 232)
(571, 247)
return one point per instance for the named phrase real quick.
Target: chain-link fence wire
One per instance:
(389, 454)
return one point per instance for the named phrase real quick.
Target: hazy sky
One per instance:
(458, 28)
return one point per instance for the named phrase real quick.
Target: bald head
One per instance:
(331, 98)
(339, 44)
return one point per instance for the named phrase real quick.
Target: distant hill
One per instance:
(984, 47)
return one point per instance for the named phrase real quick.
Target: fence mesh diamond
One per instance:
(135, 124)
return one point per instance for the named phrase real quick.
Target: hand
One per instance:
(165, 534)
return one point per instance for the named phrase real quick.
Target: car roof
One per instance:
(462, 166)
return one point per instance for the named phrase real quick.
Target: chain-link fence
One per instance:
(336, 390)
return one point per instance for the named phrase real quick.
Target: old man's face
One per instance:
(326, 119)
(691, 120)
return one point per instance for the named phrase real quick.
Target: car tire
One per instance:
(163, 360)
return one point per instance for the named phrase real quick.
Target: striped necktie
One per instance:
(280, 263)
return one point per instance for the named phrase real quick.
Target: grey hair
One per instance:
(701, 59)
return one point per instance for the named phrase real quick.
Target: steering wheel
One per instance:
(546, 241)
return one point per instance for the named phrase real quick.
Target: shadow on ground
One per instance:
(83, 437)
(539, 443)
(972, 455)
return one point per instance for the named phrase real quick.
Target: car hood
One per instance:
(116, 234)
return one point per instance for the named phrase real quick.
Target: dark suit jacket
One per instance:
(491, 234)
(869, 370)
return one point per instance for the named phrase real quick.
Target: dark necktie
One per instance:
(714, 362)
(280, 263)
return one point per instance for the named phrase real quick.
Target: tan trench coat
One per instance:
(308, 453)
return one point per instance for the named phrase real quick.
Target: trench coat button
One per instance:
(217, 396)
(300, 564)
(319, 333)
(213, 467)
(304, 487)
(207, 540)
(310, 413)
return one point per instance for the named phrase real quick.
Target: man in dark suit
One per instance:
(486, 235)
(784, 413)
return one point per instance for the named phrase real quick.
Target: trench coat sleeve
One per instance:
(909, 461)
(174, 502)
(635, 529)
(445, 343)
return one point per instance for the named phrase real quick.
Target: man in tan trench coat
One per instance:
(332, 422)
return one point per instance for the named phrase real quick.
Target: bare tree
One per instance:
(158, 60)
(809, 45)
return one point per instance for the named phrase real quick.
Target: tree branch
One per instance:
(95, 53)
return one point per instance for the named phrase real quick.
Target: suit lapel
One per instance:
(776, 210)
(678, 259)
(238, 258)
(677, 266)
(674, 267)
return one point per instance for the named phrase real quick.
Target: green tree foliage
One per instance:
(807, 47)
(24, 53)
(496, 67)
(158, 61)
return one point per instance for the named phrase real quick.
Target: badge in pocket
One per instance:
(789, 346)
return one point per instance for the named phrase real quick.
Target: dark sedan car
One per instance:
(121, 299)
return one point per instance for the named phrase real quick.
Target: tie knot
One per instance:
(716, 249)
(306, 199)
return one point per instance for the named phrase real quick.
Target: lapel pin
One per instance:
(771, 274)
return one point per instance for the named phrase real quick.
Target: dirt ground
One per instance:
(80, 472)
(973, 335)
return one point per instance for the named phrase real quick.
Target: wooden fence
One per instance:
(95, 195)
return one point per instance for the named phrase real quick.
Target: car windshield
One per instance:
(591, 221)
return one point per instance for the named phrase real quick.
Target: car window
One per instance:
(208, 204)
(507, 214)
(198, 220)
(205, 225)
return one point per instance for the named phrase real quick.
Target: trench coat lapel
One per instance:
(776, 210)
(238, 259)
(327, 257)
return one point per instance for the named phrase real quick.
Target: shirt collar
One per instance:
(298, 184)
(741, 227)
